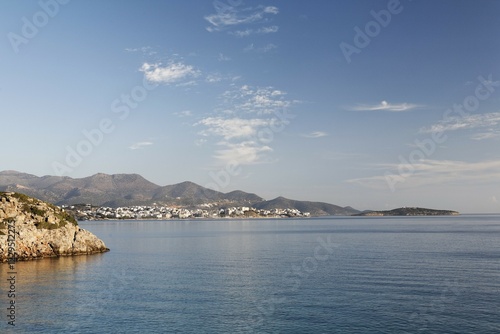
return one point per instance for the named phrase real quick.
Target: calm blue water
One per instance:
(335, 275)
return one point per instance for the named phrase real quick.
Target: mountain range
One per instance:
(132, 189)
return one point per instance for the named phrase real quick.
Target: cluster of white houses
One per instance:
(161, 212)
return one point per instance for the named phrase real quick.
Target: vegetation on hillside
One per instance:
(46, 215)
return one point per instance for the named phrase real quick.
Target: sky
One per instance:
(369, 104)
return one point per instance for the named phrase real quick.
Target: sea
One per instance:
(317, 275)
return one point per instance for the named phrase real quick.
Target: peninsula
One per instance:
(407, 211)
(32, 229)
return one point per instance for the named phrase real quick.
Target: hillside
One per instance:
(120, 190)
(315, 208)
(116, 190)
(410, 212)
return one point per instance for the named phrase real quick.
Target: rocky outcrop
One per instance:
(38, 229)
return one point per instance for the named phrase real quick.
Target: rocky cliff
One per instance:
(36, 229)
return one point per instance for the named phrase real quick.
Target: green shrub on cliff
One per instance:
(47, 216)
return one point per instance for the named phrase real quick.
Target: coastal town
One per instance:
(89, 212)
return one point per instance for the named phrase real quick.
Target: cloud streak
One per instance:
(261, 31)
(491, 121)
(235, 16)
(385, 106)
(315, 134)
(263, 49)
(433, 172)
(140, 145)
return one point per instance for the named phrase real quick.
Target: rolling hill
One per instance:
(315, 208)
(132, 189)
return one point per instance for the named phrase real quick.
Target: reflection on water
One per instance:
(54, 269)
(48, 286)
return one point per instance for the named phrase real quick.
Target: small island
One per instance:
(407, 211)
(32, 229)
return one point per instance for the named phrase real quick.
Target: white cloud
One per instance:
(432, 172)
(174, 72)
(245, 122)
(252, 100)
(271, 10)
(247, 152)
(232, 128)
(140, 145)
(268, 30)
(475, 121)
(232, 16)
(384, 105)
(315, 134)
(494, 199)
(213, 78)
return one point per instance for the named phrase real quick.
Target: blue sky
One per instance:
(372, 104)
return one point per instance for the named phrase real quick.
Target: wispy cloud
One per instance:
(168, 74)
(223, 57)
(263, 49)
(255, 100)
(268, 30)
(240, 141)
(184, 113)
(315, 134)
(338, 156)
(238, 124)
(426, 172)
(490, 134)
(146, 50)
(385, 106)
(140, 145)
(491, 121)
(260, 31)
(231, 128)
(232, 16)
(214, 77)
(245, 153)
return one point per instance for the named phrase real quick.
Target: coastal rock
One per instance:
(39, 229)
